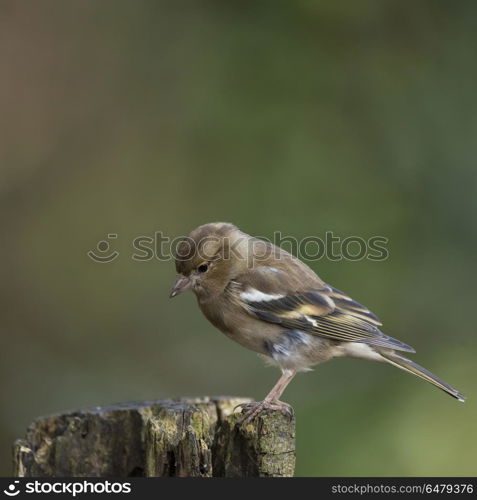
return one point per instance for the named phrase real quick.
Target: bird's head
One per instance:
(208, 258)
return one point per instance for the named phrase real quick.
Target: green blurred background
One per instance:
(303, 117)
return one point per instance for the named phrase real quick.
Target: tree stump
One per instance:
(177, 438)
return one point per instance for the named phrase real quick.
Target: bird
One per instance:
(270, 302)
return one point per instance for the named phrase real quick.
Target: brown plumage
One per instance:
(272, 303)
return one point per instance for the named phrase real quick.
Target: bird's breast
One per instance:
(287, 348)
(239, 326)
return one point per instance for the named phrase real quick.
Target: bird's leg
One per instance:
(280, 386)
(271, 401)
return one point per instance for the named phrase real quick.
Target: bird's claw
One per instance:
(255, 408)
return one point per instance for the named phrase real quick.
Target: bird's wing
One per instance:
(325, 311)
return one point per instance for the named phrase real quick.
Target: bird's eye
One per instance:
(203, 268)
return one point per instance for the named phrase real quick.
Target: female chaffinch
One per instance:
(272, 303)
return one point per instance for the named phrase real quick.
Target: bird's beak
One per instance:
(182, 284)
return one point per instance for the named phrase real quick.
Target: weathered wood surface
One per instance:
(182, 438)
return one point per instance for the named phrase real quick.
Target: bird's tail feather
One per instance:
(415, 369)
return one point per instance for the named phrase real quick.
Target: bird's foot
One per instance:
(255, 408)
